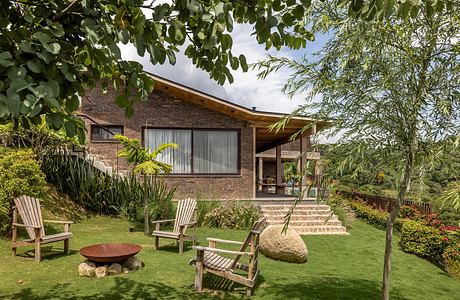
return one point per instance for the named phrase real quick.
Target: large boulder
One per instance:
(287, 246)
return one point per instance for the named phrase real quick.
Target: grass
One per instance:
(338, 267)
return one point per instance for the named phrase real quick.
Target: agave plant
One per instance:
(145, 162)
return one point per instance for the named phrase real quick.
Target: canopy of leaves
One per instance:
(393, 85)
(51, 51)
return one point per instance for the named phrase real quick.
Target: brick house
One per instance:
(218, 140)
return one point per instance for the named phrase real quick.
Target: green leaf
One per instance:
(54, 121)
(56, 29)
(69, 127)
(4, 111)
(36, 110)
(243, 63)
(42, 37)
(129, 111)
(26, 46)
(234, 63)
(34, 66)
(272, 21)
(14, 104)
(226, 42)
(298, 12)
(52, 102)
(176, 32)
(122, 101)
(72, 103)
(6, 59)
(52, 48)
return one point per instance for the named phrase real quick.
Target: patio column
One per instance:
(279, 171)
(304, 146)
(261, 173)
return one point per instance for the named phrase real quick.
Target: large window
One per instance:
(199, 152)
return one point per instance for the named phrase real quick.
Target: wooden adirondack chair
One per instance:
(31, 215)
(207, 260)
(185, 216)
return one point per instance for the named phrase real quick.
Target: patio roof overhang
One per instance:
(265, 138)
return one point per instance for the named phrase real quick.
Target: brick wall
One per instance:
(165, 110)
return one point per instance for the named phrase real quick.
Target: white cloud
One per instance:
(246, 90)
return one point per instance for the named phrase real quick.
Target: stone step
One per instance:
(304, 223)
(296, 212)
(298, 207)
(305, 219)
(295, 217)
(319, 229)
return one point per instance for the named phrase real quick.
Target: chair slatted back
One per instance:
(31, 214)
(255, 230)
(184, 213)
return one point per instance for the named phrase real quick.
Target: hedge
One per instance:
(20, 174)
(424, 236)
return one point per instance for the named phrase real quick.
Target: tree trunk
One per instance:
(146, 206)
(390, 225)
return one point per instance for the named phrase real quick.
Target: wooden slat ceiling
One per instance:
(265, 139)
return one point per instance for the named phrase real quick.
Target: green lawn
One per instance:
(338, 267)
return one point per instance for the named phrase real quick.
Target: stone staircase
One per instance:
(311, 219)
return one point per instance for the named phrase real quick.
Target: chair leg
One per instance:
(181, 246)
(248, 291)
(13, 251)
(38, 249)
(66, 246)
(199, 271)
(157, 242)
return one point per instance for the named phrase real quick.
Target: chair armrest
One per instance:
(216, 250)
(163, 221)
(23, 225)
(187, 224)
(58, 222)
(224, 241)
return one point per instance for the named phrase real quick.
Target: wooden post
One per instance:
(261, 173)
(157, 238)
(251, 263)
(37, 244)
(181, 239)
(304, 144)
(279, 171)
(199, 271)
(254, 145)
(14, 230)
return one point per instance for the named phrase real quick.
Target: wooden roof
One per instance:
(265, 138)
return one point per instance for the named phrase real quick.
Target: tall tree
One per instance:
(51, 51)
(392, 85)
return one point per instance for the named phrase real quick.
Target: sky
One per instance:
(246, 90)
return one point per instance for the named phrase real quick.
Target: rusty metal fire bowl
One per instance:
(110, 252)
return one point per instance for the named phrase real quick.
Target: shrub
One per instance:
(20, 174)
(203, 208)
(342, 209)
(373, 216)
(231, 215)
(451, 258)
(99, 192)
(424, 241)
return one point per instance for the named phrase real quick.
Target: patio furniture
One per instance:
(185, 216)
(208, 260)
(31, 215)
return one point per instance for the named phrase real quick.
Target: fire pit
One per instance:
(110, 253)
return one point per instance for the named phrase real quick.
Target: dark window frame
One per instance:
(192, 129)
(105, 128)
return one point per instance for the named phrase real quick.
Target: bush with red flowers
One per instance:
(424, 236)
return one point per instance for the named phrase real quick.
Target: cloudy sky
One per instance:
(246, 90)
